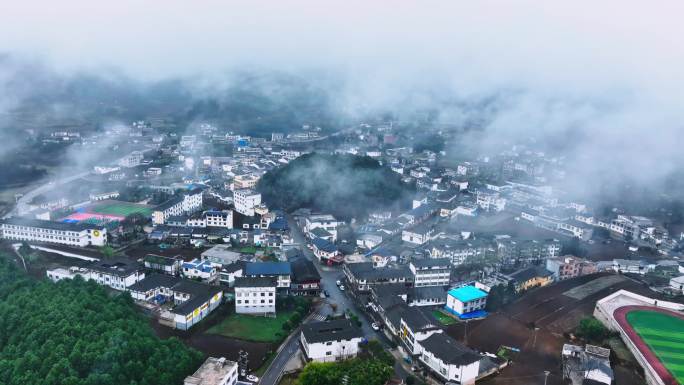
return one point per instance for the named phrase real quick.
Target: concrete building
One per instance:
(118, 274)
(431, 271)
(183, 204)
(466, 301)
(204, 270)
(329, 341)
(192, 301)
(449, 359)
(567, 267)
(677, 284)
(255, 295)
(246, 201)
(415, 326)
(280, 271)
(37, 230)
(214, 371)
(164, 265)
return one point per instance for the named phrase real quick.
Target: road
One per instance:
(23, 202)
(329, 277)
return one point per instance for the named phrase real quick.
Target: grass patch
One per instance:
(444, 319)
(664, 335)
(253, 328)
(123, 209)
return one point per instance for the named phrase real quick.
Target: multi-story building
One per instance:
(329, 341)
(569, 267)
(183, 204)
(118, 274)
(200, 269)
(324, 221)
(246, 201)
(419, 235)
(466, 301)
(131, 160)
(460, 251)
(362, 276)
(214, 371)
(192, 301)
(255, 295)
(305, 278)
(164, 265)
(450, 360)
(431, 272)
(415, 326)
(280, 271)
(37, 230)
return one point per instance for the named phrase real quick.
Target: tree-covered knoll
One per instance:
(344, 185)
(74, 333)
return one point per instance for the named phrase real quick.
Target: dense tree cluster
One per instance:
(74, 333)
(357, 371)
(344, 185)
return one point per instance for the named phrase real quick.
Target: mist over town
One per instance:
(319, 193)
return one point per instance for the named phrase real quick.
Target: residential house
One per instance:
(161, 264)
(362, 276)
(531, 277)
(450, 360)
(431, 271)
(568, 267)
(280, 271)
(197, 269)
(329, 341)
(255, 295)
(416, 325)
(192, 301)
(214, 371)
(305, 277)
(467, 302)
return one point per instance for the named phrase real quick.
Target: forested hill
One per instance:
(344, 185)
(73, 333)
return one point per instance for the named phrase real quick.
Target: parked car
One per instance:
(375, 326)
(325, 293)
(338, 283)
(252, 378)
(341, 287)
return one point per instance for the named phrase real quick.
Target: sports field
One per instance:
(117, 208)
(664, 335)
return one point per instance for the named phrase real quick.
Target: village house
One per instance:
(431, 271)
(329, 341)
(467, 302)
(280, 271)
(255, 295)
(450, 360)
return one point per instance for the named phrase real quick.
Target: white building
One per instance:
(131, 160)
(246, 201)
(186, 203)
(431, 272)
(324, 221)
(449, 359)
(255, 295)
(214, 371)
(466, 300)
(191, 301)
(677, 284)
(418, 235)
(36, 230)
(328, 341)
(119, 274)
(415, 326)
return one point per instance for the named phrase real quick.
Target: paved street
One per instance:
(329, 277)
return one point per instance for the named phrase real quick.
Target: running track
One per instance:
(620, 315)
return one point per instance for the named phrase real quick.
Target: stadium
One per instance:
(653, 330)
(107, 212)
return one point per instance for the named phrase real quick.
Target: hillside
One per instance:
(344, 185)
(74, 333)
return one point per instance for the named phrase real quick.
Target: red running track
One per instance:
(620, 315)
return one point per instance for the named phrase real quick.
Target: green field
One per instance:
(120, 208)
(444, 319)
(252, 328)
(664, 335)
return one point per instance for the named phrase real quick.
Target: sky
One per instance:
(607, 74)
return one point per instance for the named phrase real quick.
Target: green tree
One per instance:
(592, 329)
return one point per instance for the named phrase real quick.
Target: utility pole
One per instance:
(546, 376)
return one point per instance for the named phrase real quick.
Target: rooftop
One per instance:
(467, 293)
(449, 350)
(212, 372)
(336, 330)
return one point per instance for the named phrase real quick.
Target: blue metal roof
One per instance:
(268, 268)
(467, 293)
(324, 245)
